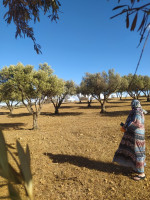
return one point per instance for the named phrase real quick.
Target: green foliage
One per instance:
(123, 85)
(30, 86)
(146, 86)
(21, 174)
(33, 86)
(100, 85)
(84, 89)
(78, 89)
(70, 88)
(135, 85)
(146, 83)
(57, 87)
(8, 92)
(62, 89)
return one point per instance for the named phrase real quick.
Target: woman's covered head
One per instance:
(135, 104)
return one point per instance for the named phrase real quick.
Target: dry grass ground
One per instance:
(72, 152)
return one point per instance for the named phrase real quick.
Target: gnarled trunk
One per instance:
(89, 104)
(103, 109)
(148, 99)
(56, 109)
(11, 110)
(35, 122)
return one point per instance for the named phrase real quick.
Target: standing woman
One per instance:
(131, 151)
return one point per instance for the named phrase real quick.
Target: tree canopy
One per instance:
(63, 88)
(29, 85)
(101, 85)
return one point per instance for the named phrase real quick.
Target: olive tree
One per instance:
(78, 93)
(85, 90)
(8, 93)
(32, 86)
(63, 88)
(135, 85)
(55, 94)
(146, 87)
(123, 87)
(102, 85)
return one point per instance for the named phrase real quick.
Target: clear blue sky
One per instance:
(84, 39)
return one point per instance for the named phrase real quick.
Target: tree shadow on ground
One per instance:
(4, 126)
(115, 113)
(63, 107)
(20, 115)
(4, 113)
(115, 106)
(119, 113)
(119, 101)
(85, 102)
(62, 114)
(90, 107)
(109, 105)
(99, 106)
(80, 161)
(47, 114)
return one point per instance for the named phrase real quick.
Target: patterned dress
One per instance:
(131, 151)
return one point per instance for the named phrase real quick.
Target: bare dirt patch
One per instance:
(72, 152)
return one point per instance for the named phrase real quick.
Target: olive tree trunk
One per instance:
(103, 108)
(35, 121)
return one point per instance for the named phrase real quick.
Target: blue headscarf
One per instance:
(135, 104)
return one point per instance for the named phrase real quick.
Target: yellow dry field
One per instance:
(71, 153)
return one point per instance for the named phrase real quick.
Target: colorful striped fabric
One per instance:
(131, 151)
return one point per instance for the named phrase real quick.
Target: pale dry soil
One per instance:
(71, 153)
